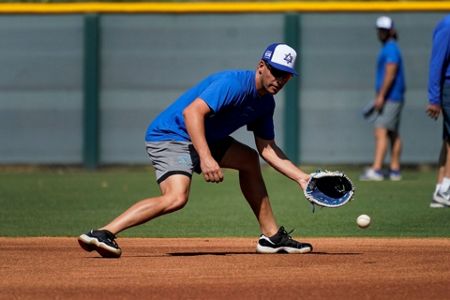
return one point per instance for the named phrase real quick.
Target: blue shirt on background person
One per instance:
(388, 103)
(390, 53)
(439, 62)
(439, 103)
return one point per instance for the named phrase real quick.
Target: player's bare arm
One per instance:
(276, 158)
(194, 117)
(389, 76)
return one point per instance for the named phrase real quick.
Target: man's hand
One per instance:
(194, 117)
(303, 181)
(211, 170)
(379, 103)
(433, 111)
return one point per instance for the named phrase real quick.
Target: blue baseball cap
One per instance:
(281, 57)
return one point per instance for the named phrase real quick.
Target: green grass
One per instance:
(67, 202)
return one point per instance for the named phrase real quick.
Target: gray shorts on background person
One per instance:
(177, 157)
(389, 118)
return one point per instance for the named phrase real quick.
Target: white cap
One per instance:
(384, 22)
(281, 57)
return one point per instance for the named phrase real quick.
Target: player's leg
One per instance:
(444, 189)
(393, 114)
(437, 198)
(447, 161)
(441, 164)
(442, 196)
(374, 173)
(381, 145)
(174, 195)
(396, 150)
(385, 125)
(174, 163)
(246, 160)
(442, 193)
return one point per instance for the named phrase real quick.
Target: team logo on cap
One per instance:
(268, 54)
(288, 58)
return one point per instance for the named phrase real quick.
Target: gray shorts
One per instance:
(174, 157)
(389, 117)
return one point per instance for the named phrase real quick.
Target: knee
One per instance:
(252, 156)
(250, 160)
(179, 201)
(174, 202)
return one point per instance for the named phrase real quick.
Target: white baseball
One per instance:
(363, 221)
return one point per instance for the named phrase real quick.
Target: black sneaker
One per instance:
(101, 241)
(281, 242)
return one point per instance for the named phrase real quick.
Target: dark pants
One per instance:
(446, 111)
(446, 114)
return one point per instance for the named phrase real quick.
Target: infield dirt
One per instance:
(226, 268)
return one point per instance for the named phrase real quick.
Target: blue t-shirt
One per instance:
(390, 53)
(234, 102)
(440, 61)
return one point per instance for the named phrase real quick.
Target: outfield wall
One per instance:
(147, 60)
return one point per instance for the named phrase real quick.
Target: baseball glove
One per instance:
(329, 189)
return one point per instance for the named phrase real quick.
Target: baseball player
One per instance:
(390, 89)
(193, 135)
(439, 99)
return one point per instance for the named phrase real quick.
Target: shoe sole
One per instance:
(90, 244)
(441, 201)
(437, 205)
(270, 250)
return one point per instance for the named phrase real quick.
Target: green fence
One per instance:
(291, 12)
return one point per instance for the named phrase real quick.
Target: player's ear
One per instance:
(260, 66)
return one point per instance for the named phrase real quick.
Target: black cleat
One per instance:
(281, 242)
(101, 241)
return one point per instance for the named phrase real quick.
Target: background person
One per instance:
(193, 135)
(390, 90)
(439, 99)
